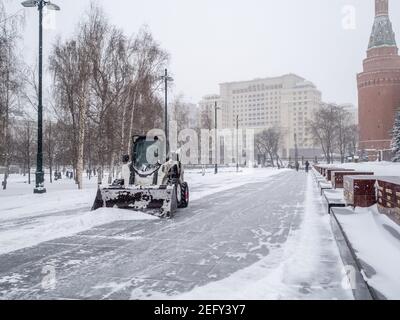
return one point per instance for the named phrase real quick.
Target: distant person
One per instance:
(307, 166)
(297, 166)
(99, 176)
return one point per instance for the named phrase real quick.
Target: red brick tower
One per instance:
(379, 84)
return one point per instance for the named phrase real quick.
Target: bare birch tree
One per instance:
(268, 142)
(323, 128)
(10, 84)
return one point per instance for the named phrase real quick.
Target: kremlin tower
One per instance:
(379, 86)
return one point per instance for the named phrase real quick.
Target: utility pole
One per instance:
(40, 4)
(237, 143)
(166, 79)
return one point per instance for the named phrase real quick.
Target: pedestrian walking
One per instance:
(297, 166)
(307, 166)
(99, 176)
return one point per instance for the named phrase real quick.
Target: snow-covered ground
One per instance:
(281, 274)
(270, 239)
(257, 234)
(27, 219)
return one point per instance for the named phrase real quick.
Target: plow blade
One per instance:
(159, 201)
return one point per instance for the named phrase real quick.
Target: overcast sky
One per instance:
(215, 41)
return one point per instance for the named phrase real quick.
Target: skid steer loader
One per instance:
(149, 182)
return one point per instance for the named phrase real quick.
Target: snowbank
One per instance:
(376, 240)
(379, 168)
(53, 227)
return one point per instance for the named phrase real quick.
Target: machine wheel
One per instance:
(183, 199)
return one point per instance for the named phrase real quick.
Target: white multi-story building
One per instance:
(207, 112)
(350, 108)
(286, 102)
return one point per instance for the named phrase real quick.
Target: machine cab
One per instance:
(147, 153)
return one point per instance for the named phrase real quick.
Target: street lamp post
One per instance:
(237, 143)
(40, 4)
(216, 136)
(296, 153)
(166, 79)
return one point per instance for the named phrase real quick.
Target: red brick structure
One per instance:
(379, 84)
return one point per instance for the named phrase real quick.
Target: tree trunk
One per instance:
(81, 140)
(6, 131)
(111, 172)
(272, 159)
(50, 155)
(122, 147)
(29, 154)
(131, 125)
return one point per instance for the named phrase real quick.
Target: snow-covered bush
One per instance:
(396, 138)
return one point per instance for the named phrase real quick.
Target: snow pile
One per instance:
(379, 168)
(376, 240)
(31, 205)
(56, 226)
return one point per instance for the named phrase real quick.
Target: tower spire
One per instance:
(381, 8)
(382, 32)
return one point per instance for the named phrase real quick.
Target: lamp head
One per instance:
(29, 3)
(52, 6)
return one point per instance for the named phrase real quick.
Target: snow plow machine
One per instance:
(149, 182)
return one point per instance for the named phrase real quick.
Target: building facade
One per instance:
(287, 102)
(352, 110)
(207, 112)
(379, 84)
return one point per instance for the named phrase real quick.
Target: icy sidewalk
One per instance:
(308, 266)
(375, 240)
